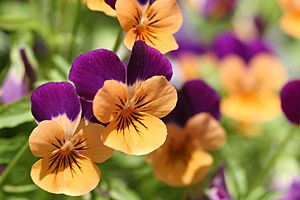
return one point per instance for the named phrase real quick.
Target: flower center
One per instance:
(66, 155)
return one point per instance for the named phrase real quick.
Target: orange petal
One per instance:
(268, 72)
(233, 72)
(65, 181)
(206, 131)
(290, 23)
(165, 16)
(128, 13)
(159, 97)
(142, 136)
(107, 100)
(180, 169)
(100, 5)
(42, 140)
(93, 146)
(251, 108)
(158, 40)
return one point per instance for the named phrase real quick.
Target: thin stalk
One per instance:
(13, 163)
(265, 171)
(75, 28)
(118, 41)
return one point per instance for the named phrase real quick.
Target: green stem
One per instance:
(265, 171)
(13, 163)
(78, 19)
(118, 41)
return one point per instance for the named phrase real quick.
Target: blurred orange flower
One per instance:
(290, 22)
(154, 22)
(100, 5)
(183, 159)
(251, 88)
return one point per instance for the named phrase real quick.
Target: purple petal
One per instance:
(146, 62)
(196, 97)
(90, 70)
(13, 87)
(227, 44)
(29, 72)
(54, 99)
(290, 98)
(255, 47)
(294, 191)
(87, 110)
(111, 3)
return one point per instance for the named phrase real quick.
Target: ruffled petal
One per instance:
(205, 131)
(59, 102)
(111, 97)
(146, 62)
(90, 70)
(88, 138)
(45, 138)
(73, 181)
(155, 96)
(142, 136)
(101, 5)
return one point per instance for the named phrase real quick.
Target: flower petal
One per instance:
(91, 69)
(128, 12)
(180, 170)
(161, 41)
(205, 131)
(146, 62)
(141, 137)
(109, 98)
(57, 101)
(101, 5)
(45, 137)
(164, 16)
(196, 97)
(251, 108)
(155, 96)
(290, 98)
(93, 146)
(268, 71)
(66, 180)
(290, 24)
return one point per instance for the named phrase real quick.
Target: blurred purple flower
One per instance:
(218, 190)
(15, 85)
(293, 192)
(290, 98)
(218, 9)
(228, 43)
(195, 97)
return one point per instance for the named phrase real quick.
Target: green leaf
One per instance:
(120, 191)
(15, 114)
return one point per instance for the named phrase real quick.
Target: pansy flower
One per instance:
(68, 146)
(193, 128)
(106, 6)
(130, 99)
(290, 97)
(290, 21)
(17, 85)
(154, 22)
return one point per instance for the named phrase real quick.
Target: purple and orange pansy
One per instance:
(129, 99)
(251, 76)
(193, 128)
(68, 146)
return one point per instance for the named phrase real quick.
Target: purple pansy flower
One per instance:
(130, 99)
(195, 97)
(290, 97)
(16, 85)
(218, 190)
(293, 192)
(228, 43)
